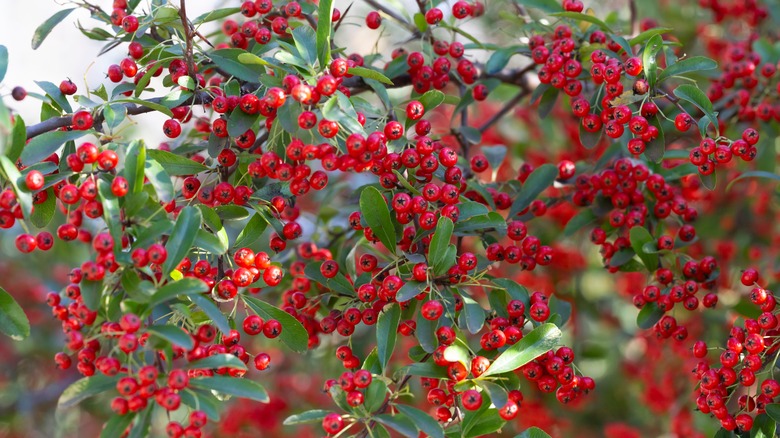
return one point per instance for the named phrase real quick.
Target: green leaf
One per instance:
(539, 341)
(541, 178)
(709, 181)
(182, 238)
(584, 17)
(646, 35)
(375, 395)
(43, 213)
(697, 97)
(689, 65)
(590, 140)
(175, 164)
(426, 369)
(44, 29)
(649, 62)
(547, 102)
(85, 388)
(306, 43)
(212, 311)
(533, 432)
(145, 103)
(409, 290)
(18, 139)
(313, 416)
(426, 333)
(135, 159)
(215, 15)
(215, 244)
(46, 144)
(473, 313)
(419, 21)
(324, 15)
(431, 99)
(239, 122)
(294, 335)
(111, 213)
(13, 321)
(377, 216)
(251, 231)
(639, 236)
(339, 283)
(753, 174)
(13, 176)
(458, 353)
(56, 95)
(489, 222)
(400, 423)
(763, 427)
(386, 333)
(578, 222)
(227, 61)
(549, 6)
(497, 393)
(3, 62)
(773, 410)
(656, 149)
(172, 334)
(499, 59)
(225, 360)
(116, 425)
(369, 73)
(184, 287)
(648, 316)
(437, 250)
(424, 422)
(243, 388)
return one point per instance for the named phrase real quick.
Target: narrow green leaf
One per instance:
(499, 59)
(473, 313)
(242, 388)
(182, 238)
(3, 61)
(44, 29)
(539, 341)
(225, 360)
(176, 164)
(773, 410)
(13, 176)
(386, 333)
(212, 311)
(533, 432)
(590, 140)
(13, 321)
(85, 388)
(369, 74)
(227, 61)
(239, 122)
(649, 62)
(339, 283)
(313, 416)
(753, 174)
(180, 288)
(56, 95)
(324, 15)
(135, 159)
(648, 316)
(584, 17)
(294, 335)
(540, 179)
(688, 65)
(440, 242)
(576, 223)
(18, 139)
(646, 35)
(116, 425)
(424, 422)
(377, 216)
(111, 213)
(549, 6)
(46, 144)
(43, 213)
(251, 231)
(215, 15)
(306, 42)
(697, 97)
(145, 103)
(172, 334)
(639, 236)
(655, 150)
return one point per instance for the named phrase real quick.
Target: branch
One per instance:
(188, 32)
(634, 22)
(505, 109)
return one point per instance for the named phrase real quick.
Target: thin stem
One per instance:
(188, 32)
(394, 15)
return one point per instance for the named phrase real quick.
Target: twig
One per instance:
(343, 16)
(634, 22)
(188, 33)
(505, 109)
(394, 15)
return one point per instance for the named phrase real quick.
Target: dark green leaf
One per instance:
(159, 179)
(424, 422)
(339, 283)
(215, 15)
(145, 103)
(85, 388)
(688, 65)
(656, 149)
(426, 333)
(313, 416)
(369, 74)
(294, 335)
(13, 321)
(239, 122)
(400, 423)
(324, 15)
(377, 216)
(217, 361)
(547, 102)
(251, 231)
(753, 174)
(182, 238)
(176, 164)
(697, 97)
(773, 410)
(409, 290)
(243, 388)
(212, 311)
(386, 333)
(489, 222)
(499, 59)
(18, 139)
(135, 159)
(533, 432)
(172, 334)
(227, 60)
(648, 316)
(590, 139)
(646, 35)
(709, 181)
(576, 223)
(43, 213)
(539, 341)
(473, 313)
(56, 95)
(440, 241)
(46, 144)
(584, 17)
(111, 213)
(649, 61)
(116, 425)
(540, 179)
(180, 288)
(426, 369)
(639, 237)
(375, 395)
(44, 29)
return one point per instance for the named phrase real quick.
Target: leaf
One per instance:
(227, 61)
(499, 59)
(689, 65)
(172, 334)
(753, 174)
(116, 425)
(145, 103)
(697, 97)
(215, 15)
(426, 369)
(239, 122)
(649, 62)
(709, 181)
(225, 360)
(400, 423)
(437, 250)
(578, 222)
(473, 313)
(56, 95)
(18, 139)
(184, 287)
(386, 333)
(648, 316)
(646, 35)
(458, 353)
(549, 6)
(547, 102)
(541, 178)
(426, 333)
(85, 388)
(656, 149)
(13, 321)
(498, 394)
(42, 146)
(313, 416)
(409, 290)
(539, 341)
(43, 213)
(243, 388)
(339, 283)
(174, 164)
(182, 238)
(533, 432)
(251, 231)
(111, 213)
(135, 159)
(294, 335)
(590, 140)
(763, 427)
(10, 171)
(375, 395)
(3, 62)
(773, 410)
(490, 222)
(639, 236)
(212, 311)
(369, 73)
(424, 422)
(44, 29)
(324, 15)
(584, 17)
(431, 99)
(377, 216)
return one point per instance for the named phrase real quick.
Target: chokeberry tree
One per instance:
(415, 239)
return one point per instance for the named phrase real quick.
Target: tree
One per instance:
(316, 203)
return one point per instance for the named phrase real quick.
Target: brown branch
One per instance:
(188, 33)
(633, 20)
